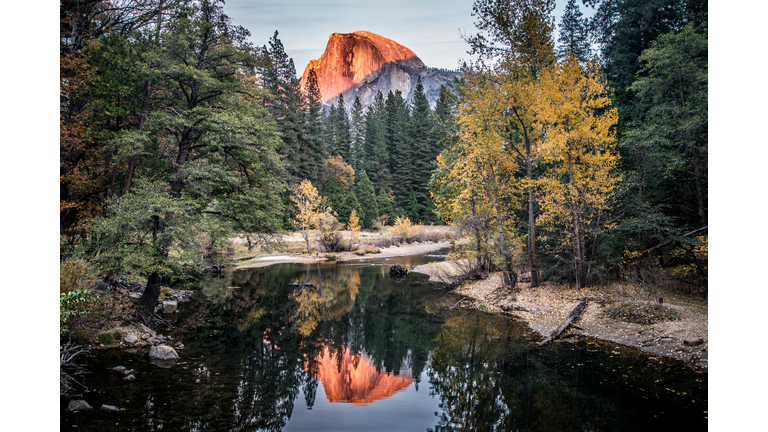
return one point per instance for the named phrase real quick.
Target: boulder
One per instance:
(163, 352)
(119, 369)
(693, 342)
(110, 408)
(78, 405)
(169, 307)
(131, 339)
(144, 329)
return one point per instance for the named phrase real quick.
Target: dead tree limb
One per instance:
(568, 321)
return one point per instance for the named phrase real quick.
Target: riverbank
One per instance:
(392, 251)
(546, 306)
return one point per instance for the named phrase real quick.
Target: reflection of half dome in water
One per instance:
(359, 385)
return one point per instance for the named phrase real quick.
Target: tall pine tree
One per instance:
(574, 34)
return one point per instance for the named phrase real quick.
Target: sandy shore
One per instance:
(393, 251)
(546, 306)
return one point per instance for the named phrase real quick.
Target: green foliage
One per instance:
(574, 34)
(76, 303)
(106, 338)
(367, 198)
(385, 206)
(350, 203)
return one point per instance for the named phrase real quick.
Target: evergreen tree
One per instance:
(385, 205)
(313, 136)
(342, 139)
(350, 203)
(333, 194)
(210, 167)
(357, 136)
(423, 150)
(398, 145)
(367, 198)
(279, 76)
(377, 161)
(411, 207)
(574, 34)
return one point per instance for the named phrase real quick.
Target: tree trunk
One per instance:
(568, 320)
(148, 300)
(578, 247)
(531, 221)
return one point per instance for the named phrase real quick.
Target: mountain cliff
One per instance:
(361, 63)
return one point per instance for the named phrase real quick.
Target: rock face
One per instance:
(361, 63)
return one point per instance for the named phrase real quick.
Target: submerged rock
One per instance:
(78, 405)
(110, 408)
(119, 369)
(129, 378)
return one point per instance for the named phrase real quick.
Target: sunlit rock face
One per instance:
(357, 381)
(361, 63)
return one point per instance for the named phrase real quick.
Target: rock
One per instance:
(120, 369)
(145, 329)
(131, 350)
(146, 336)
(128, 372)
(169, 307)
(130, 338)
(78, 405)
(693, 342)
(152, 340)
(361, 63)
(129, 378)
(110, 408)
(163, 352)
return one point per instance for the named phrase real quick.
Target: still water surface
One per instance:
(359, 351)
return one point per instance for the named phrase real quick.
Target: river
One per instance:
(359, 351)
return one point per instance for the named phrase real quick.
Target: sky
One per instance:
(431, 28)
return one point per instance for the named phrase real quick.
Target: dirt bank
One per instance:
(546, 306)
(393, 251)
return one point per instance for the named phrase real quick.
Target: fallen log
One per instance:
(568, 321)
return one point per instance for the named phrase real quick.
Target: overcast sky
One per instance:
(431, 28)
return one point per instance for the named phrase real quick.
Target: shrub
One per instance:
(74, 274)
(106, 338)
(371, 249)
(330, 256)
(74, 304)
(360, 252)
(641, 313)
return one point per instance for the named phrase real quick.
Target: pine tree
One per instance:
(357, 135)
(422, 150)
(312, 136)
(377, 161)
(279, 76)
(367, 198)
(333, 195)
(341, 134)
(385, 205)
(411, 207)
(350, 203)
(574, 34)
(398, 145)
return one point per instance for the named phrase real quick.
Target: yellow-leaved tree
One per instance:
(354, 225)
(476, 177)
(574, 111)
(309, 206)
